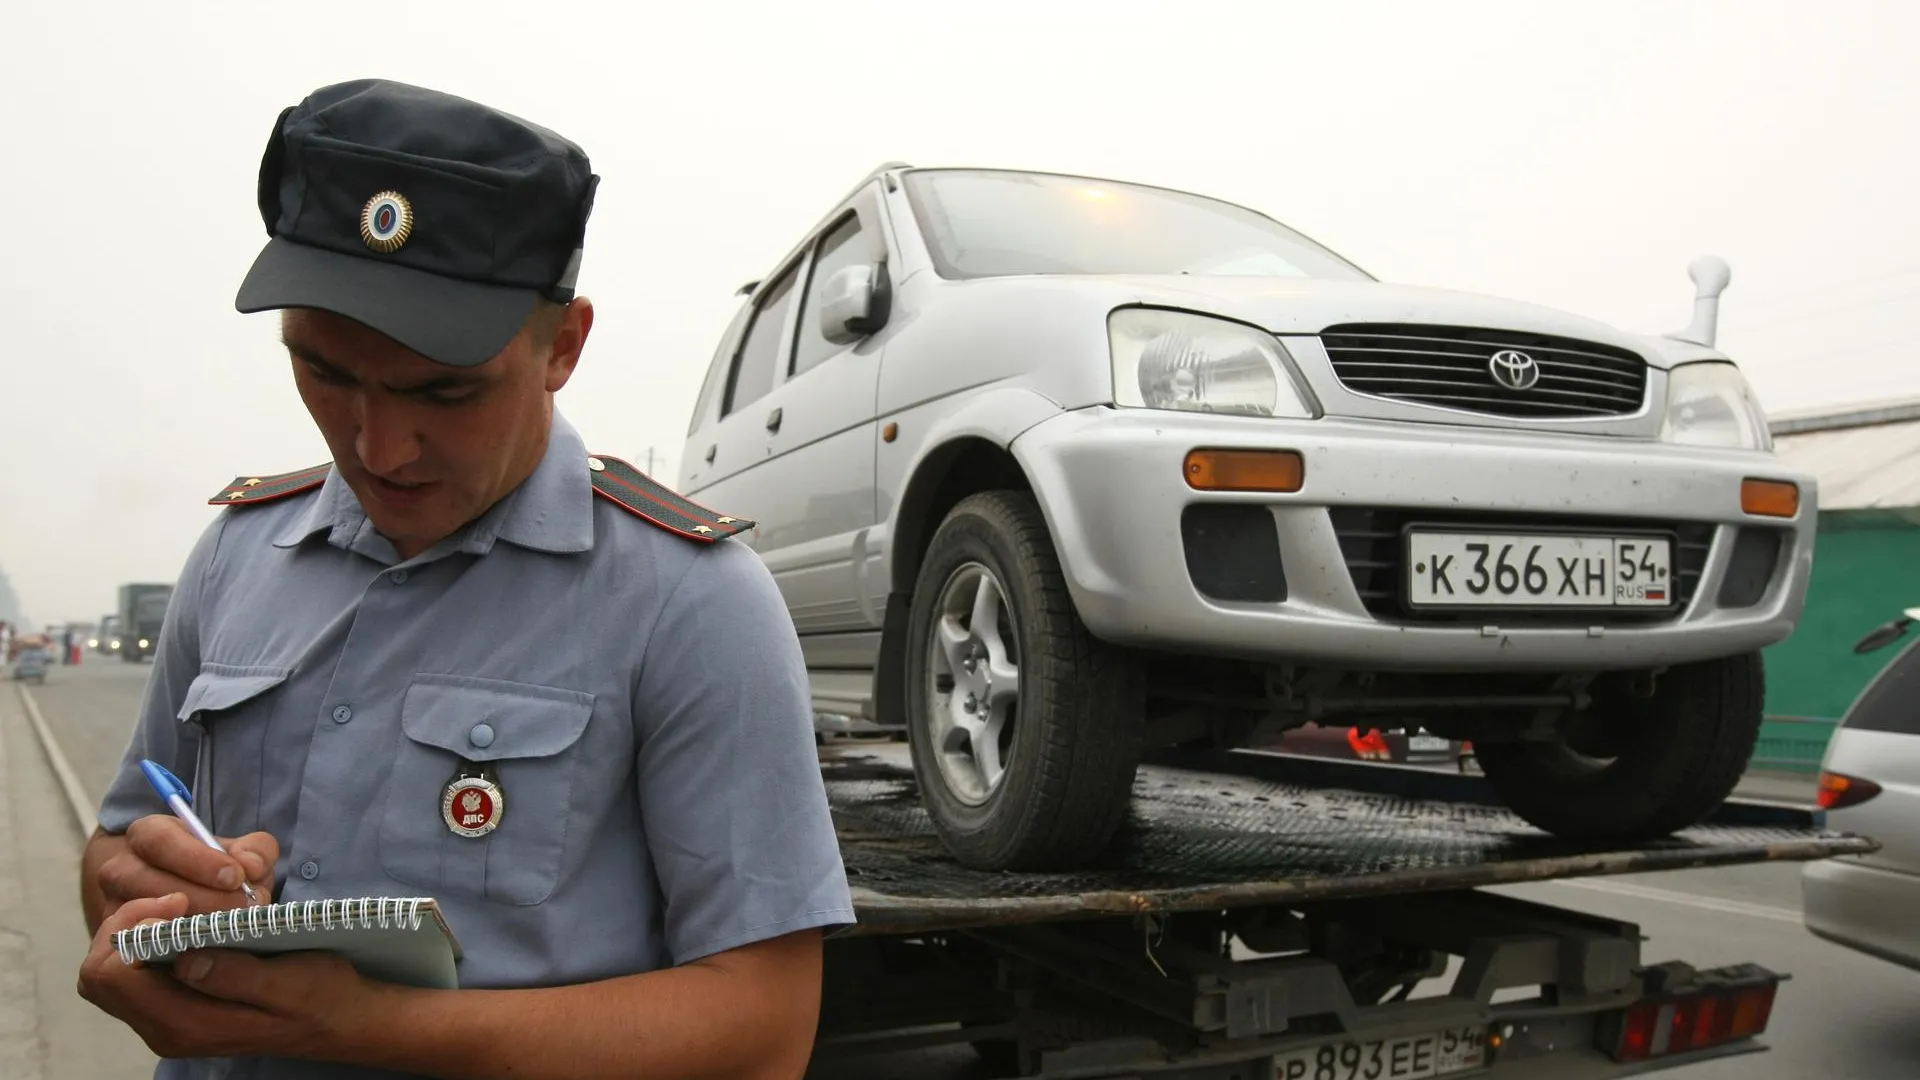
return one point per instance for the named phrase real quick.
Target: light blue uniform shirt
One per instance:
(640, 696)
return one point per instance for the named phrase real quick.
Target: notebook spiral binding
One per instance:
(164, 939)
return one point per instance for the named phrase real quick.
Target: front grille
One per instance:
(1370, 541)
(1451, 367)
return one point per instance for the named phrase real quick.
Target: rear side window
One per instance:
(718, 369)
(1892, 701)
(754, 368)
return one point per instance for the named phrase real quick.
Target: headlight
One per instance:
(1175, 360)
(143, 643)
(1710, 404)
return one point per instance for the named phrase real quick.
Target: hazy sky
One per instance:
(1572, 154)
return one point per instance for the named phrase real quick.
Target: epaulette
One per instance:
(643, 497)
(248, 490)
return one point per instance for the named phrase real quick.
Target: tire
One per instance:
(1068, 737)
(1671, 761)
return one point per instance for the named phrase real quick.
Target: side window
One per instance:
(840, 248)
(753, 369)
(718, 369)
(1891, 701)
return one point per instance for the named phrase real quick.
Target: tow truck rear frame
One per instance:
(1281, 918)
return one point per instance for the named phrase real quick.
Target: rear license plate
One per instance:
(1428, 744)
(1405, 1057)
(1459, 569)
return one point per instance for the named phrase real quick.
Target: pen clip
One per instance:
(164, 782)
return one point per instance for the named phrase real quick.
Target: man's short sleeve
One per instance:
(732, 802)
(176, 660)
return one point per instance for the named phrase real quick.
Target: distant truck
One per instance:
(107, 641)
(142, 609)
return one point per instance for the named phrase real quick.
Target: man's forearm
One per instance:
(750, 1014)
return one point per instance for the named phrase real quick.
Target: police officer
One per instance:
(464, 602)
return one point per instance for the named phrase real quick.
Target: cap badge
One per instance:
(386, 222)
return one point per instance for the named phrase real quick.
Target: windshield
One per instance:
(981, 223)
(150, 608)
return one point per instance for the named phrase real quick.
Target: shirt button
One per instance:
(342, 714)
(481, 735)
(309, 869)
(398, 577)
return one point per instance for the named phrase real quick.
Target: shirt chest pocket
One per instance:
(527, 739)
(232, 707)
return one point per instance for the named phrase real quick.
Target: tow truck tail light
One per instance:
(1700, 1020)
(1837, 791)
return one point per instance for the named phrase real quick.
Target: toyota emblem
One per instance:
(1514, 369)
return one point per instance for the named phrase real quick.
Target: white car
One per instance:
(1870, 785)
(1053, 469)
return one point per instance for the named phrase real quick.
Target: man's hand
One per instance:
(160, 856)
(222, 1003)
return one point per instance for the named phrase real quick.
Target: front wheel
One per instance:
(1641, 769)
(1024, 728)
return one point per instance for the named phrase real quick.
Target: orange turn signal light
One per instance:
(1245, 470)
(1770, 498)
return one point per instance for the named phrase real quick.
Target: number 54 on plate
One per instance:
(1537, 570)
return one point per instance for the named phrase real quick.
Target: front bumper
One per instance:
(1111, 485)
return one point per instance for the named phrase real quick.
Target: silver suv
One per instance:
(1053, 470)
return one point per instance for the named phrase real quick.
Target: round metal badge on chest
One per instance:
(472, 803)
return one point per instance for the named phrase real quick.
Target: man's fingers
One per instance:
(229, 976)
(279, 985)
(138, 912)
(164, 843)
(125, 877)
(257, 852)
(144, 910)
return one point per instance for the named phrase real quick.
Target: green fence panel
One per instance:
(1791, 744)
(1866, 568)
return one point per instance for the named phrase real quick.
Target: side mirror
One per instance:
(1886, 633)
(855, 302)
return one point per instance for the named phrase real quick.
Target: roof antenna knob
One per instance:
(1711, 275)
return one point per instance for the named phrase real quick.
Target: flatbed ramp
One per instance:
(1239, 829)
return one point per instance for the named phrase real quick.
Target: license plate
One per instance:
(1405, 1057)
(1427, 743)
(1457, 569)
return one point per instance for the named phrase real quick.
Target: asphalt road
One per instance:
(1841, 1017)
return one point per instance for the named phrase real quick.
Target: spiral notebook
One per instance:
(392, 939)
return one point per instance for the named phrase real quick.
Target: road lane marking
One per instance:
(77, 800)
(1692, 900)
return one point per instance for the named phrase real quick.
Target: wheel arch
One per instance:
(967, 452)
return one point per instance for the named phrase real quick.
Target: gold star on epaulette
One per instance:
(640, 495)
(253, 490)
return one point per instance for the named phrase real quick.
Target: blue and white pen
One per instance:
(180, 801)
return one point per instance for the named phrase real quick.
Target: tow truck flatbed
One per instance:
(1229, 829)
(1262, 917)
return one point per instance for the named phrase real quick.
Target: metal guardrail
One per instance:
(1792, 745)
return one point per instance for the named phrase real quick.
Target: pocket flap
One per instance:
(491, 719)
(219, 687)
